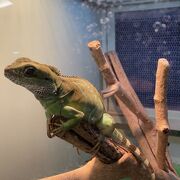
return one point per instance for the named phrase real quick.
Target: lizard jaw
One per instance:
(38, 90)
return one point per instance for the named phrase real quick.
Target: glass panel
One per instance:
(141, 37)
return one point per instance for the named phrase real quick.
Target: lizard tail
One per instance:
(121, 139)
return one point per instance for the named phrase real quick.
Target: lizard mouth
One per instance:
(11, 75)
(7, 72)
(39, 90)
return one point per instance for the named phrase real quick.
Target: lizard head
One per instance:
(38, 78)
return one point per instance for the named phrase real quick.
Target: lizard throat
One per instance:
(40, 89)
(42, 92)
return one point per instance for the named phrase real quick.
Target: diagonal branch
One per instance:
(111, 158)
(95, 48)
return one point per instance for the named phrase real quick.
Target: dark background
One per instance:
(141, 38)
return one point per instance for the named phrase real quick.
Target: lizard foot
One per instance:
(112, 89)
(96, 148)
(55, 132)
(58, 131)
(54, 127)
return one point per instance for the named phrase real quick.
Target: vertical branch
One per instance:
(101, 61)
(162, 124)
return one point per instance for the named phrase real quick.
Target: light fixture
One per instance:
(5, 3)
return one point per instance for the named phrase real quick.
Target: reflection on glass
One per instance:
(5, 3)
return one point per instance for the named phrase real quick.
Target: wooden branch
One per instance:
(151, 136)
(100, 59)
(110, 155)
(145, 134)
(96, 170)
(130, 115)
(96, 51)
(162, 124)
(118, 70)
(85, 137)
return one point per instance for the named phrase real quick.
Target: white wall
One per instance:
(54, 32)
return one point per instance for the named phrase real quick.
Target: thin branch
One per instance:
(97, 53)
(162, 124)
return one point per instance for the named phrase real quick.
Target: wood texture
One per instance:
(85, 137)
(111, 160)
(161, 112)
(96, 170)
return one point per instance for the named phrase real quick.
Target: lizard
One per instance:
(71, 97)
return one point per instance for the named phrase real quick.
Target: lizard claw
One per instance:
(95, 149)
(58, 131)
(53, 127)
(97, 146)
(112, 89)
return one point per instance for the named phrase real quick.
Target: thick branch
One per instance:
(85, 137)
(162, 124)
(96, 170)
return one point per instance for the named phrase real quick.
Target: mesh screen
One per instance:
(141, 37)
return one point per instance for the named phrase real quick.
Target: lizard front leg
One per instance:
(53, 122)
(74, 117)
(106, 127)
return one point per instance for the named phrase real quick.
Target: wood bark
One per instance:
(110, 154)
(162, 124)
(85, 137)
(96, 170)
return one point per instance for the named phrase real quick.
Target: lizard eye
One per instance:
(47, 79)
(29, 71)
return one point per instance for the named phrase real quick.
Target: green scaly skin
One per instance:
(74, 98)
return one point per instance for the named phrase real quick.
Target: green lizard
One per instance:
(71, 97)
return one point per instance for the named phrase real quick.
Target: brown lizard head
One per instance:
(38, 78)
